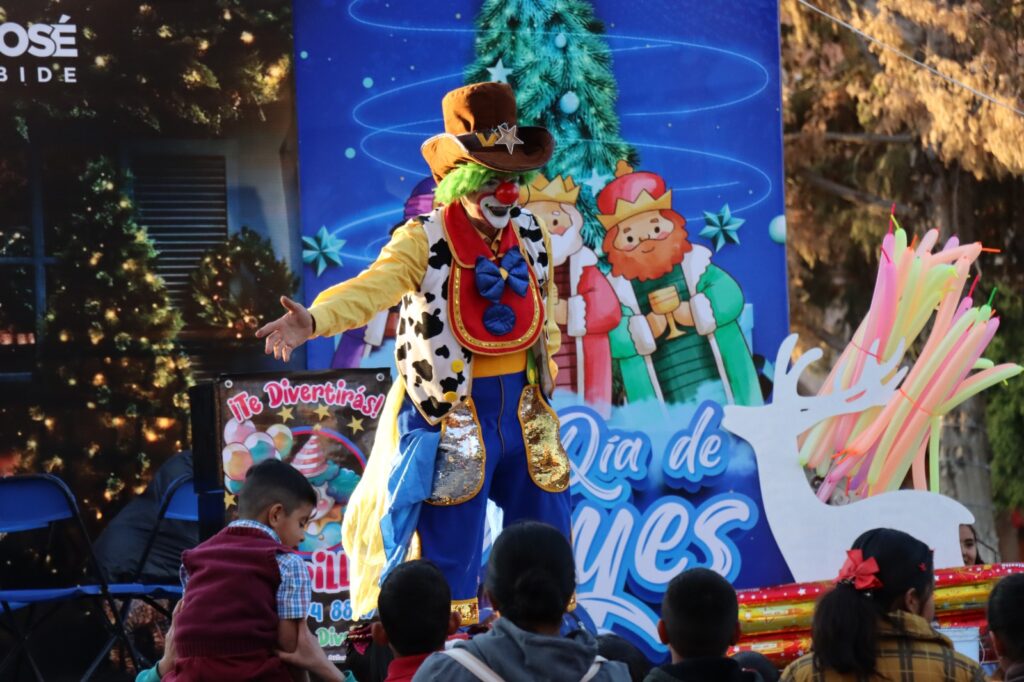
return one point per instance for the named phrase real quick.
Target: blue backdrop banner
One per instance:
(662, 111)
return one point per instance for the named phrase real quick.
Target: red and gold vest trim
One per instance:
(465, 304)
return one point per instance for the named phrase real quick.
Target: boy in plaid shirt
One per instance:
(247, 592)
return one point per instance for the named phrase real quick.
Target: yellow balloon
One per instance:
(283, 439)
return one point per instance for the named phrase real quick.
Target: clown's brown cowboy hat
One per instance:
(481, 125)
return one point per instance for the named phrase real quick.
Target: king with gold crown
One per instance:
(669, 285)
(587, 310)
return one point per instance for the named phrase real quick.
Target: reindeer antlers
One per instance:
(870, 388)
(786, 380)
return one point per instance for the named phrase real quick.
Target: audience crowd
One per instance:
(874, 625)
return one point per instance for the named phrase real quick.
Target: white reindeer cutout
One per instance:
(814, 536)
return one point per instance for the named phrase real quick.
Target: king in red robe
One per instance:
(587, 309)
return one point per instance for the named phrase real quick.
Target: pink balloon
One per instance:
(235, 432)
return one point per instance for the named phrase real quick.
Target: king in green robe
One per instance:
(688, 306)
(713, 349)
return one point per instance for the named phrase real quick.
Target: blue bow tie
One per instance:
(491, 279)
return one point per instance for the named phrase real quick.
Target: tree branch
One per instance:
(857, 138)
(854, 196)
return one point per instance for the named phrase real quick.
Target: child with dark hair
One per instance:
(1006, 625)
(531, 579)
(415, 616)
(246, 591)
(615, 648)
(759, 664)
(876, 623)
(699, 622)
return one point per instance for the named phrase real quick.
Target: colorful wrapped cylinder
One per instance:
(781, 650)
(776, 621)
(775, 618)
(973, 575)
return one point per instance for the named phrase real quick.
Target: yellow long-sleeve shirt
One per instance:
(398, 270)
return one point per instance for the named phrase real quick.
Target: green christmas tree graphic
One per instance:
(555, 58)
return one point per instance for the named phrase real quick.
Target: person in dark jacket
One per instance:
(699, 622)
(758, 663)
(531, 578)
(1006, 625)
(120, 546)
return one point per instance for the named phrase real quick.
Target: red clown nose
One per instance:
(507, 193)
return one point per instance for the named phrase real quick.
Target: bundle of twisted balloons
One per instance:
(873, 451)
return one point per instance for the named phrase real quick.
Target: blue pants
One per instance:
(452, 536)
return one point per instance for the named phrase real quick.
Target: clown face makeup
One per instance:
(492, 204)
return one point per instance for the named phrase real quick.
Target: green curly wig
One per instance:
(468, 178)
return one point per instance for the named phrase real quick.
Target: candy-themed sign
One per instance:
(323, 424)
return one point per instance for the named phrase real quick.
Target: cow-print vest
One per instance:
(437, 370)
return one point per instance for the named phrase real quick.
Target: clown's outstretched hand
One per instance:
(287, 332)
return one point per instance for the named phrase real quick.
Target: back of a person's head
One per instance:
(845, 625)
(1006, 616)
(415, 608)
(531, 575)
(615, 648)
(700, 613)
(273, 482)
(758, 663)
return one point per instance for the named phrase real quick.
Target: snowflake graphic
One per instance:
(722, 227)
(322, 250)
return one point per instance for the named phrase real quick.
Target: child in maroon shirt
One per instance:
(246, 591)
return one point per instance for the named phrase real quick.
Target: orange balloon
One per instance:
(237, 460)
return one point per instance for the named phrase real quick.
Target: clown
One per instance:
(690, 305)
(468, 418)
(587, 309)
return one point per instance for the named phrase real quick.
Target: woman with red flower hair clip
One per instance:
(876, 623)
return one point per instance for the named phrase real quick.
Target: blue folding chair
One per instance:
(33, 503)
(179, 503)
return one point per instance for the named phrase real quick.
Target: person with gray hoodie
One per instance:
(531, 579)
